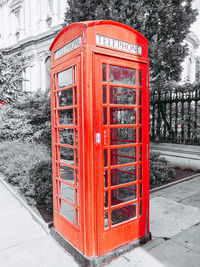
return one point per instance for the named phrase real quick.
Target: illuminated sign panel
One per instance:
(67, 48)
(118, 44)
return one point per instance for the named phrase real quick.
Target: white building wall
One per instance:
(39, 22)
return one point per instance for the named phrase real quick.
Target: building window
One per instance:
(50, 6)
(189, 69)
(47, 72)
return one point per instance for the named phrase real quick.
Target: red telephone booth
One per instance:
(100, 136)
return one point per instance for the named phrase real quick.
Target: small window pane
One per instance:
(66, 136)
(140, 77)
(104, 94)
(65, 97)
(67, 155)
(104, 72)
(106, 220)
(75, 75)
(123, 155)
(122, 116)
(106, 199)
(104, 116)
(123, 194)
(140, 97)
(105, 178)
(140, 190)
(122, 75)
(66, 117)
(140, 153)
(122, 136)
(65, 78)
(105, 157)
(123, 214)
(67, 174)
(123, 96)
(123, 175)
(140, 135)
(140, 209)
(140, 172)
(67, 192)
(67, 211)
(140, 116)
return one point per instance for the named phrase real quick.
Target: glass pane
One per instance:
(76, 137)
(123, 175)
(140, 77)
(105, 178)
(105, 157)
(104, 116)
(66, 136)
(65, 78)
(76, 157)
(140, 135)
(123, 194)
(140, 116)
(140, 190)
(123, 214)
(140, 97)
(140, 209)
(77, 197)
(124, 96)
(66, 117)
(75, 116)
(77, 217)
(140, 153)
(122, 136)
(122, 116)
(140, 172)
(67, 174)
(67, 155)
(104, 94)
(123, 155)
(106, 199)
(106, 219)
(122, 75)
(75, 95)
(67, 192)
(75, 74)
(67, 211)
(65, 97)
(104, 72)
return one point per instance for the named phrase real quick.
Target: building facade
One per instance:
(29, 27)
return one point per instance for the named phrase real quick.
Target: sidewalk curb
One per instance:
(36, 217)
(174, 183)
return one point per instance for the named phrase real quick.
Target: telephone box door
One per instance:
(66, 142)
(122, 130)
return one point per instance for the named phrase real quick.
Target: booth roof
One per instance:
(91, 23)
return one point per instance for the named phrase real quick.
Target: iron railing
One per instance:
(175, 116)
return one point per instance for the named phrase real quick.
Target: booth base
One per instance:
(98, 260)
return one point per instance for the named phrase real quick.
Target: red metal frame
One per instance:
(89, 234)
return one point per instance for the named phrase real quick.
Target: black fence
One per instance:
(175, 117)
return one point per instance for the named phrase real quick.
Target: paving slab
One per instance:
(193, 201)
(141, 258)
(153, 243)
(42, 253)
(182, 190)
(190, 238)
(172, 254)
(168, 217)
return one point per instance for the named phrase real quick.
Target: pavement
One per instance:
(174, 224)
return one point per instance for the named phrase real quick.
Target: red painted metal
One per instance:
(100, 186)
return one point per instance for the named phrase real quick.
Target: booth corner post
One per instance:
(100, 139)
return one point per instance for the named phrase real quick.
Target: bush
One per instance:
(18, 160)
(160, 171)
(28, 119)
(40, 176)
